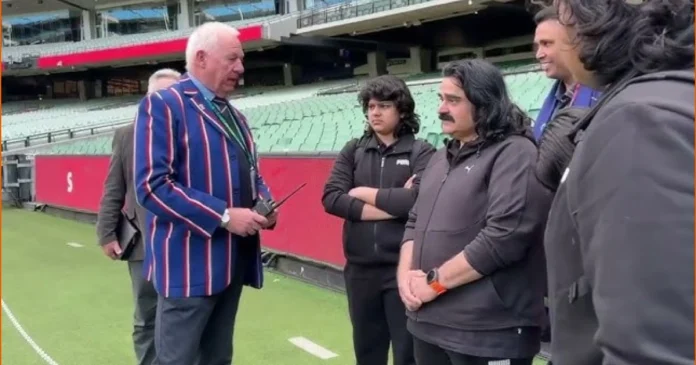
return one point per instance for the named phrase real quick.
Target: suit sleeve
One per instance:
(114, 194)
(335, 198)
(155, 161)
(399, 201)
(635, 217)
(514, 218)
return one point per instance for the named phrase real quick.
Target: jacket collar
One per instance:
(205, 92)
(196, 97)
(403, 144)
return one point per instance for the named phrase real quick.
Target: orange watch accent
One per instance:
(432, 280)
(439, 289)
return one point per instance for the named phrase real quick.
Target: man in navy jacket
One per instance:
(196, 172)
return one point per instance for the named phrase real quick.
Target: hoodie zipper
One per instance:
(427, 224)
(381, 174)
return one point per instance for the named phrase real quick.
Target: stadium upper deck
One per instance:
(43, 36)
(134, 36)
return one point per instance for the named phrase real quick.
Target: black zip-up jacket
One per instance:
(384, 168)
(620, 236)
(484, 201)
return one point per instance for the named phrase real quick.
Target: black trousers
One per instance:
(429, 354)
(378, 316)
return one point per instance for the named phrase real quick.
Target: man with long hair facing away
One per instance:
(620, 238)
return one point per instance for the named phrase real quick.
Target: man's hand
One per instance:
(404, 279)
(112, 250)
(421, 290)
(272, 219)
(245, 222)
(358, 192)
(364, 193)
(409, 183)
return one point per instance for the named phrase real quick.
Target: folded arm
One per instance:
(399, 201)
(155, 160)
(336, 198)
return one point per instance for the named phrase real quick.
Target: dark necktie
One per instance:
(224, 109)
(232, 126)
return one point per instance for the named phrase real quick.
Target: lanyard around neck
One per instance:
(236, 133)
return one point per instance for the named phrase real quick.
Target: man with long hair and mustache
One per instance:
(471, 271)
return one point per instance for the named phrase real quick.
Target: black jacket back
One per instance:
(619, 240)
(383, 168)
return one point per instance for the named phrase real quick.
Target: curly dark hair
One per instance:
(617, 40)
(393, 89)
(495, 115)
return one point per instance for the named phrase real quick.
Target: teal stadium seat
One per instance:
(285, 120)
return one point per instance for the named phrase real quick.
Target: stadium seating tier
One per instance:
(283, 121)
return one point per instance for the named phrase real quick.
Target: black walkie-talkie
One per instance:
(266, 207)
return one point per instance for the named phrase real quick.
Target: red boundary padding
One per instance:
(304, 229)
(135, 51)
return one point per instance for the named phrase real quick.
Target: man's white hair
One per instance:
(205, 38)
(161, 74)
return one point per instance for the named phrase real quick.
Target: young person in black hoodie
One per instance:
(373, 185)
(620, 237)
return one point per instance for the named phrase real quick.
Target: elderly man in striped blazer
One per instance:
(196, 172)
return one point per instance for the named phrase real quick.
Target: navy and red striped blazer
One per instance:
(186, 175)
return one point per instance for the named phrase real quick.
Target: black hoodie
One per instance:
(620, 237)
(483, 200)
(384, 168)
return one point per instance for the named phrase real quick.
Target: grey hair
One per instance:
(161, 74)
(205, 38)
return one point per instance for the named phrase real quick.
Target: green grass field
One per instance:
(76, 305)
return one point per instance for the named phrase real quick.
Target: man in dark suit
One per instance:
(198, 177)
(119, 195)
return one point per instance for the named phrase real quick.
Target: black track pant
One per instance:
(378, 316)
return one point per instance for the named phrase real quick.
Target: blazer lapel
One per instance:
(196, 99)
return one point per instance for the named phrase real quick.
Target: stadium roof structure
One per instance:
(19, 7)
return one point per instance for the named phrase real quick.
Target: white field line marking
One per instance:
(74, 244)
(26, 336)
(312, 348)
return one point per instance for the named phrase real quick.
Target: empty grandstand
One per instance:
(73, 71)
(283, 121)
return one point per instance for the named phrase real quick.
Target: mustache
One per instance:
(445, 117)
